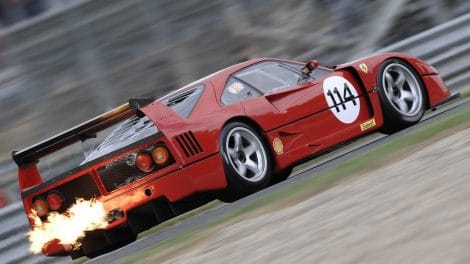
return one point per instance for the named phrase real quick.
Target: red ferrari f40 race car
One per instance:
(230, 134)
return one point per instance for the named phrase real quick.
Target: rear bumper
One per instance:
(201, 176)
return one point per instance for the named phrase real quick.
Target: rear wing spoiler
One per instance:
(85, 130)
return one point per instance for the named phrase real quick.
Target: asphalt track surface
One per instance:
(344, 153)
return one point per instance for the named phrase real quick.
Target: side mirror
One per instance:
(307, 70)
(309, 67)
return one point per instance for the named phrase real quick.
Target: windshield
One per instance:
(271, 76)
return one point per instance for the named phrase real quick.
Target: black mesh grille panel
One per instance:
(81, 187)
(120, 173)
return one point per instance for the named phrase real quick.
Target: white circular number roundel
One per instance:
(342, 98)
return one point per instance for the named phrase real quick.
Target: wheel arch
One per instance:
(394, 120)
(244, 119)
(413, 66)
(237, 186)
(370, 78)
(362, 85)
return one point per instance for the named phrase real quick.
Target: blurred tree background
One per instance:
(65, 61)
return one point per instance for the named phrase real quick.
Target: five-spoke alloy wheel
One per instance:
(402, 95)
(246, 160)
(246, 154)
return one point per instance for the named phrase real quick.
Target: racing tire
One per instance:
(98, 243)
(402, 95)
(75, 254)
(246, 160)
(281, 176)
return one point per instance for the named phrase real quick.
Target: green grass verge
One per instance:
(310, 186)
(465, 92)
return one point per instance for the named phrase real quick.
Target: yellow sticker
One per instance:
(278, 146)
(368, 124)
(363, 67)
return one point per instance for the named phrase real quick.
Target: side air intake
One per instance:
(189, 144)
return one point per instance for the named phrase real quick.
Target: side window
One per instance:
(262, 80)
(289, 74)
(271, 76)
(265, 77)
(236, 91)
(268, 76)
(319, 73)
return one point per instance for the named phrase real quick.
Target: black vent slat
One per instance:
(196, 143)
(179, 98)
(186, 145)
(183, 102)
(182, 146)
(189, 144)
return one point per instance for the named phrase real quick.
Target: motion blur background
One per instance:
(65, 61)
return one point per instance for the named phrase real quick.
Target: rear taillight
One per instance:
(41, 207)
(55, 200)
(144, 162)
(160, 155)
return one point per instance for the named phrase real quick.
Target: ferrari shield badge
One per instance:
(363, 67)
(278, 146)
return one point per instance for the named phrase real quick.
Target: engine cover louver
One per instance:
(189, 144)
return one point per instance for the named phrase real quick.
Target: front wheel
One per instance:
(402, 95)
(246, 161)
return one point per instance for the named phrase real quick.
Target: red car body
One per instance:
(295, 122)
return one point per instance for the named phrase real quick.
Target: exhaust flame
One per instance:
(125, 200)
(69, 227)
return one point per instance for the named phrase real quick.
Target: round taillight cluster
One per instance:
(41, 207)
(54, 201)
(160, 155)
(146, 161)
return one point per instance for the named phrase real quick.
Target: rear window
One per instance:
(98, 145)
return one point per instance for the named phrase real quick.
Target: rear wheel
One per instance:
(246, 161)
(281, 176)
(402, 95)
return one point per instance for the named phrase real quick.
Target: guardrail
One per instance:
(446, 46)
